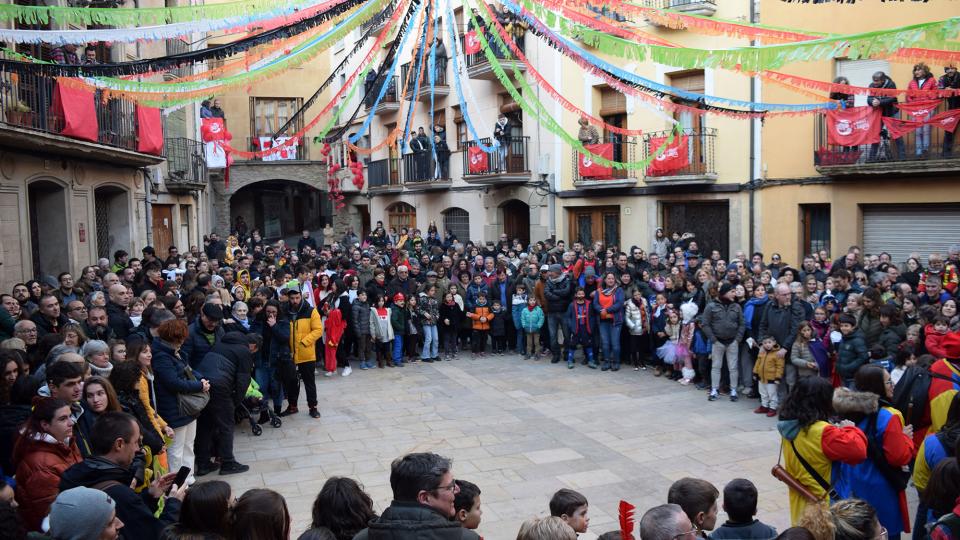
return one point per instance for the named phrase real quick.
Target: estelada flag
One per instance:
(673, 158)
(853, 126)
(471, 43)
(479, 161)
(588, 168)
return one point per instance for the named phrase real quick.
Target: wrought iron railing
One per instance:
(479, 57)
(390, 96)
(382, 173)
(701, 151)
(624, 150)
(300, 152)
(186, 163)
(511, 157)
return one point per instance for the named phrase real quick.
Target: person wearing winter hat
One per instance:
(723, 325)
(83, 513)
(942, 391)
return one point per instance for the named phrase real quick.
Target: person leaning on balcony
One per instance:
(845, 99)
(888, 107)
(66, 54)
(919, 89)
(217, 111)
(205, 111)
(950, 80)
(90, 56)
(587, 134)
(443, 157)
(501, 132)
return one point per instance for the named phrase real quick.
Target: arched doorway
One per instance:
(401, 215)
(49, 234)
(458, 221)
(516, 220)
(281, 208)
(112, 211)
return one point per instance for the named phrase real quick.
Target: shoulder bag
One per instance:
(192, 403)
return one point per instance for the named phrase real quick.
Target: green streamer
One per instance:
(547, 120)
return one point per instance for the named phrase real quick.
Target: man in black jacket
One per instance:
(204, 333)
(558, 292)
(48, 318)
(422, 507)
(116, 442)
(117, 318)
(227, 366)
(781, 319)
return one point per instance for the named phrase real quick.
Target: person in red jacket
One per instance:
(919, 89)
(333, 328)
(45, 449)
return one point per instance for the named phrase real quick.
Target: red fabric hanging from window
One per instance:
(149, 131)
(73, 108)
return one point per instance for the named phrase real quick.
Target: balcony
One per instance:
(376, 24)
(422, 173)
(26, 102)
(186, 165)
(508, 165)
(298, 152)
(705, 8)
(904, 156)
(177, 46)
(390, 102)
(383, 176)
(440, 86)
(701, 167)
(479, 68)
(624, 150)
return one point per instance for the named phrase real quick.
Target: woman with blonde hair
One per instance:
(919, 89)
(849, 519)
(548, 528)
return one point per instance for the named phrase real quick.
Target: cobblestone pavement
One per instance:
(520, 430)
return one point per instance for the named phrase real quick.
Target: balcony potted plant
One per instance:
(20, 114)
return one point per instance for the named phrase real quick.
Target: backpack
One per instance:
(897, 477)
(911, 396)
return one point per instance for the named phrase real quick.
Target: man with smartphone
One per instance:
(116, 443)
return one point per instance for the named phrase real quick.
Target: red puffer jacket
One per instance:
(40, 463)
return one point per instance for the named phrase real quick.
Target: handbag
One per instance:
(192, 403)
(781, 474)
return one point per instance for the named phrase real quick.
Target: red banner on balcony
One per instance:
(588, 168)
(919, 110)
(74, 107)
(673, 158)
(479, 161)
(898, 128)
(947, 120)
(853, 126)
(149, 130)
(471, 43)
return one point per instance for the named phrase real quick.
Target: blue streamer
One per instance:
(456, 78)
(626, 75)
(416, 87)
(432, 66)
(386, 82)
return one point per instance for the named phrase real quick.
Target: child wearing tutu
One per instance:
(676, 351)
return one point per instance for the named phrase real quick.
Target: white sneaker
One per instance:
(346, 372)
(328, 374)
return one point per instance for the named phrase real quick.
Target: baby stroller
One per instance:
(254, 407)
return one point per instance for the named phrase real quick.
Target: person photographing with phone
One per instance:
(115, 442)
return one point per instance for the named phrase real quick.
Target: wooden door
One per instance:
(162, 226)
(516, 221)
(708, 221)
(593, 224)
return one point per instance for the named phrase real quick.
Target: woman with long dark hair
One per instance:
(260, 514)
(807, 432)
(342, 507)
(205, 513)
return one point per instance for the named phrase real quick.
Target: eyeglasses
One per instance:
(691, 532)
(451, 487)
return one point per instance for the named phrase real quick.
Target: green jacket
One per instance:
(398, 319)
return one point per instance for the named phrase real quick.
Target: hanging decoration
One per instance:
(458, 75)
(825, 87)
(675, 157)
(587, 168)
(194, 57)
(149, 130)
(853, 126)
(73, 112)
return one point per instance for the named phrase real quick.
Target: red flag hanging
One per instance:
(588, 168)
(471, 43)
(898, 128)
(947, 120)
(149, 130)
(479, 161)
(919, 110)
(673, 158)
(74, 107)
(853, 126)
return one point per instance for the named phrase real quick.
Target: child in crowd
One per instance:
(498, 329)
(580, 329)
(466, 504)
(913, 335)
(668, 351)
(518, 303)
(851, 351)
(381, 330)
(637, 318)
(935, 334)
(906, 357)
(571, 507)
(361, 327)
(698, 498)
(809, 354)
(684, 351)
(136, 311)
(450, 316)
(768, 371)
(658, 324)
(820, 323)
(333, 328)
(531, 320)
(474, 290)
(398, 319)
(740, 504)
(480, 317)
(414, 329)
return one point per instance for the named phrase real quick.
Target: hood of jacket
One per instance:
(789, 429)
(92, 471)
(847, 402)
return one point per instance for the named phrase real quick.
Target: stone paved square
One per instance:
(520, 430)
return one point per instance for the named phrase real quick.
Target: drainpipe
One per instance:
(754, 133)
(148, 186)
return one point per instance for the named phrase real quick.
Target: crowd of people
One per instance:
(135, 371)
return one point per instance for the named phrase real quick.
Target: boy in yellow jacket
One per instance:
(768, 371)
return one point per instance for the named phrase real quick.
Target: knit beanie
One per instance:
(80, 513)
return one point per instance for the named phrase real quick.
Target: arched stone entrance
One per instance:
(280, 208)
(49, 231)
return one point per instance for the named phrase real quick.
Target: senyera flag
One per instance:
(673, 158)
(588, 168)
(471, 43)
(853, 126)
(479, 161)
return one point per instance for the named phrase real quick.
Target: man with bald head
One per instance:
(781, 319)
(117, 317)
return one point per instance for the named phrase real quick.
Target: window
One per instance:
(589, 225)
(860, 73)
(816, 227)
(692, 124)
(401, 215)
(458, 221)
(269, 114)
(461, 126)
(440, 118)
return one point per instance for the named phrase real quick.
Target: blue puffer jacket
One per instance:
(170, 379)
